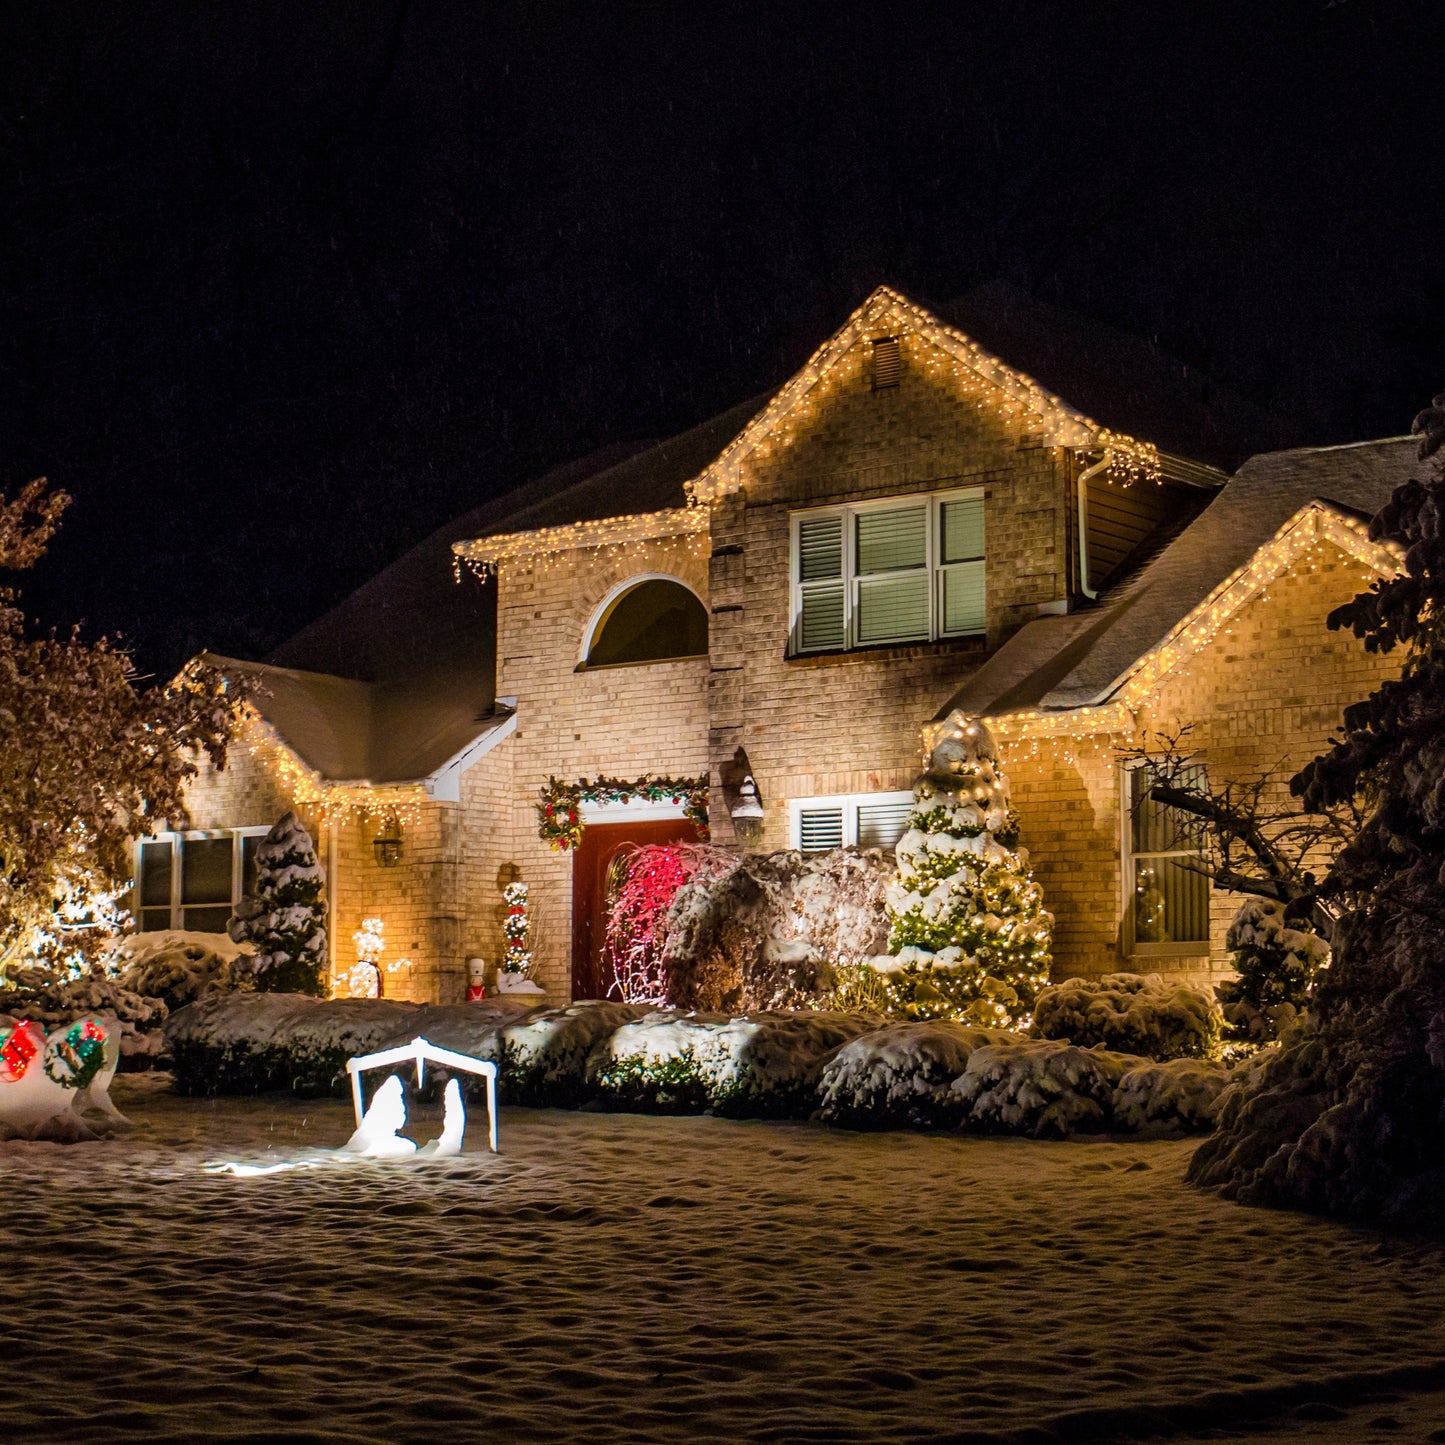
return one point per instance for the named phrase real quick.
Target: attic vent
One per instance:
(887, 363)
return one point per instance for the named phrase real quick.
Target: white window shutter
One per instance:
(881, 825)
(821, 623)
(820, 829)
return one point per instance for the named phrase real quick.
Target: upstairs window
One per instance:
(858, 820)
(888, 572)
(193, 880)
(1166, 885)
(651, 621)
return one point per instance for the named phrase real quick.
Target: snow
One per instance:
(1040, 1087)
(623, 1278)
(1181, 1094)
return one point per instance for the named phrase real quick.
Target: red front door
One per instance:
(601, 843)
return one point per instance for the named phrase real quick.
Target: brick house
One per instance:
(794, 590)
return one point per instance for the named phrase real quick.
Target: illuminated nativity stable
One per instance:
(991, 509)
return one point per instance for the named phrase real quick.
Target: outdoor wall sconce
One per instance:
(387, 845)
(747, 814)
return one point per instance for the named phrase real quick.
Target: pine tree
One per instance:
(286, 919)
(969, 934)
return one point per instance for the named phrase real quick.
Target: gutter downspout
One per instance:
(1084, 588)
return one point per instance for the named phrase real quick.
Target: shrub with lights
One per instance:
(517, 959)
(286, 919)
(970, 937)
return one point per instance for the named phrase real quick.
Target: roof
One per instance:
(1121, 380)
(1077, 660)
(349, 731)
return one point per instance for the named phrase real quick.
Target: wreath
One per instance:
(560, 810)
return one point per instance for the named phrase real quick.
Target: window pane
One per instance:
(820, 625)
(1171, 902)
(154, 920)
(206, 870)
(820, 829)
(656, 620)
(893, 609)
(964, 607)
(249, 845)
(1157, 828)
(206, 920)
(820, 548)
(155, 876)
(962, 528)
(881, 825)
(892, 541)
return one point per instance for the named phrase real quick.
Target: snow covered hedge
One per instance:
(1133, 1013)
(843, 1068)
(760, 1065)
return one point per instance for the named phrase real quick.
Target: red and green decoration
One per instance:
(560, 810)
(77, 1058)
(18, 1051)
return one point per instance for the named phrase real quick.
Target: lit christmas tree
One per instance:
(518, 957)
(970, 936)
(286, 920)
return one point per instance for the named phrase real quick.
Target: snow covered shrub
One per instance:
(760, 1065)
(1277, 965)
(286, 919)
(1039, 1087)
(638, 913)
(544, 1055)
(900, 1076)
(769, 933)
(1132, 1012)
(179, 967)
(1180, 1095)
(46, 997)
(968, 922)
(242, 1043)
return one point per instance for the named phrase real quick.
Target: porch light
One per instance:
(747, 814)
(387, 844)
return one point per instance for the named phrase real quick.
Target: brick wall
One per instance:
(848, 722)
(1265, 695)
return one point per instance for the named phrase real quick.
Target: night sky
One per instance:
(284, 286)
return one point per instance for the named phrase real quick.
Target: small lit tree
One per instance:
(285, 920)
(970, 935)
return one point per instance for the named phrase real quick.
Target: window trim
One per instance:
(848, 802)
(603, 609)
(1194, 948)
(850, 577)
(178, 840)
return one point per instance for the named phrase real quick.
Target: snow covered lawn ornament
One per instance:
(49, 1084)
(382, 1133)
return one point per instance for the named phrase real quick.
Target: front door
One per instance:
(600, 845)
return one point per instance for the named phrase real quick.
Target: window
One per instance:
(1167, 892)
(194, 880)
(888, 572)
(650, 621)
(861, 820)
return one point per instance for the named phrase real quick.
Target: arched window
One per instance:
(648, 621)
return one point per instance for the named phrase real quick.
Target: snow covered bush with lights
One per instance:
(1135, 1013)
(1277, 965)
(761, 1065)
(285, 920)
(544, 1056)
(774, 931)
(900, 1076)
(970, 937)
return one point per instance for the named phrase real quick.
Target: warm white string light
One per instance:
(484, 555)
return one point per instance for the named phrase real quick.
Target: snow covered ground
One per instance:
(615, 1278)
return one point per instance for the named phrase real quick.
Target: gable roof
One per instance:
(1082, 660)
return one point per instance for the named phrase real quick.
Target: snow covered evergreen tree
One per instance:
(286, 919)
(1349, 1119)
(969, 934)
